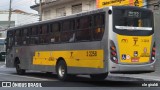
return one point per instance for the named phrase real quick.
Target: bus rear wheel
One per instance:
(61, 70)
(99, 76)
(18, 68)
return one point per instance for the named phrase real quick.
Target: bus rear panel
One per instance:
(132, 40)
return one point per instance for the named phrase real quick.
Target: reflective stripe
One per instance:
(133, 28)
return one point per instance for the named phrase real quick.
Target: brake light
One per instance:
(113, 53)
(113, 48)
(153, 53)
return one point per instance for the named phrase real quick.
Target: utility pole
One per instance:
(40, 10)
(35, 2)
(10, 12)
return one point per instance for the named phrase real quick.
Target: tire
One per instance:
(99, 76)
(61, 70)
(18, 69)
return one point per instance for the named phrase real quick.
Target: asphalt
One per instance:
(153, 76)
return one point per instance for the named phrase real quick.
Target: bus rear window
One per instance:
(132, 19)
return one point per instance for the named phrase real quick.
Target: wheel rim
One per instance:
(61, 71)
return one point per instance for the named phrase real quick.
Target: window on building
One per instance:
(76, 8)
(92, 5)
(47, 14)
(60, 12)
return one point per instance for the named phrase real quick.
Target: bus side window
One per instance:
(34, 35)
(55, 32)
(99, 21)
(83, 32)
(67, 31)
(42, 33)
(18, 38)
(10, 40)
(139, 23)
(72, 32)
(24, 36)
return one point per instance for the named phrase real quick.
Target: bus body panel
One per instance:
(44, 62)
(133, 51)
(83, 57)
(129, 66)
(73, 58)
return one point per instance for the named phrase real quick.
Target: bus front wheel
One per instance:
(61, 70)
(99, 76)
(18, 68)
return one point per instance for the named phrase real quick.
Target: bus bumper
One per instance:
(121, 68)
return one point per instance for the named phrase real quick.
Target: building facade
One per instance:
(51, 9)
(18, 18)
(57, 8)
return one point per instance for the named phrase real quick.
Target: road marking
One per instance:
(147, 78)
(3, 66)
(26, 77)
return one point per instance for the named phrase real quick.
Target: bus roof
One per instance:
(68, 17)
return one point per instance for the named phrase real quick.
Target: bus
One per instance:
(116, 39)
(2, 49)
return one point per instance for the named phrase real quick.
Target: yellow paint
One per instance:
(127, 45)
(104, 3)
(76, 58)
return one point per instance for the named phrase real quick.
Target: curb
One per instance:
(137, 77)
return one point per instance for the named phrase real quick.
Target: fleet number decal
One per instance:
(91, 53)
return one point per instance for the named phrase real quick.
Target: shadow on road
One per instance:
(80, 81)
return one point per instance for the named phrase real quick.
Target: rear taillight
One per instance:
(113, 52)
(153, 54)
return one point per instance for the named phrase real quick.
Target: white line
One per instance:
(25, 77)
(133, 28)
(3, 66)
(147, 78)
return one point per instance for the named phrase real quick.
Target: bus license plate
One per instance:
(135, 59)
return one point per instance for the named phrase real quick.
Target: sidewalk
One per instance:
(153, 76)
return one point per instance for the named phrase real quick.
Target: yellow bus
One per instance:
(112, 39)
